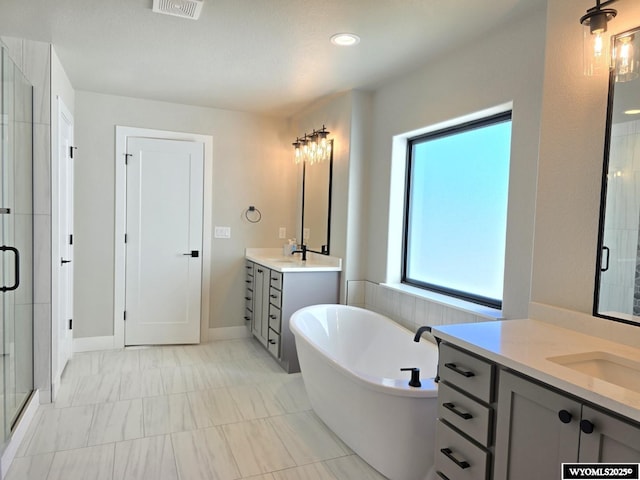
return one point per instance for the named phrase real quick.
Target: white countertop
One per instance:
(526, 345)
(274, 259)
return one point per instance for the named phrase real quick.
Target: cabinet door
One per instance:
(532, 441)
(610, 440)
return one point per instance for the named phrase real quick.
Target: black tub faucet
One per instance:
(420, 331)
(415, 376)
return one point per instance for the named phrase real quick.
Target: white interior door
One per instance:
(163, 241)
(65, 240)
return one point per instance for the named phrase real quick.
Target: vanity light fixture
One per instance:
(345, 39)
(595, 42)
(625, 61)
(312, 147)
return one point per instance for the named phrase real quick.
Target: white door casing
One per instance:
(63, 259)
(164, 197)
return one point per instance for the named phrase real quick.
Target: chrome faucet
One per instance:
(420, 331)
(303, 251)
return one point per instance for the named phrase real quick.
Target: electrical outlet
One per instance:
(222, 232)
(282, 233)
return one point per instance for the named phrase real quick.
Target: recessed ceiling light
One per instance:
(345, 39)
(635, 111)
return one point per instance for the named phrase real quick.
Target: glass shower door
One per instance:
(16, 243)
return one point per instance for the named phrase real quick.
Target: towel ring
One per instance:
(257, 215)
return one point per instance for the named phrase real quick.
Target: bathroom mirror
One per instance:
(316, 205)
(617, 293)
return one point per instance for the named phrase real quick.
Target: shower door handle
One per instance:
(606, 265)
(16, 277)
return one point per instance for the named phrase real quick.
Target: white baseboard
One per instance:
(26, 417)
(228, 333)
(91, 344)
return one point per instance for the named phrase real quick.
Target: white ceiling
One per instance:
(266, 56)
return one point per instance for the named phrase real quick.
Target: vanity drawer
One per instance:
(275, 318)
(457, 458)
(468, 373)
(249, 269)
(273, 343)
(276, 280)
(275, 297)
(464, 413)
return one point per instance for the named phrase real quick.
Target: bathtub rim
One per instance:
(390, 386)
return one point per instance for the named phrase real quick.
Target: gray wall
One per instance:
(252, 165)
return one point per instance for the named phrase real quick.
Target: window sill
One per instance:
(451, 302)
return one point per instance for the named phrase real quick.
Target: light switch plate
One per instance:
(222, 232)
(282, 233)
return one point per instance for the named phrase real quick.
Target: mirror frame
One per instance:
(604, 189)
(330, 187)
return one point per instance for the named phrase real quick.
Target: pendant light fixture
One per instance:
(625, 58)
(595, 40)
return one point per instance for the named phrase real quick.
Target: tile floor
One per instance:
(223, 410)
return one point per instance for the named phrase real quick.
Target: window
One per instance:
(456, 210)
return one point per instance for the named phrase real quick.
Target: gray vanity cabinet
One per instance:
(275, 296)
(539, 428)
(532, 441)
(257, 300)
(464, 431)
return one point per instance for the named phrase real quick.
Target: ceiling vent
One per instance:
(179, 8)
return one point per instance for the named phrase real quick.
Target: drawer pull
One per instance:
(452, 407)
(247, 298)
(272, 342)
(249, 267)
(272, 317)
(464, 373)
(247, 281)
(449, 454)
(442, 475)
(260, 271)
(247, 318)
(273, 296)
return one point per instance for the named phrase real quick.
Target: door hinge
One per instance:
(71, 149)
(126, 158)
(71, 239)
(124, 317)
(71, 324)
(125, 238)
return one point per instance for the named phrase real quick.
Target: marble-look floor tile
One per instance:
(149, 458)
(266, 476)
(61, 429)
(184, 379)
(140, 384)
(116, 421)
(353, 467)
(204, 455)
(82, 365)
(313, 471)
(306, 438)
(167, 414)
(253, 403)
(119, 361)
(290, 393)
(98, 388)
(213, 407)
(35, 467)
(95, 463)
(256, 447)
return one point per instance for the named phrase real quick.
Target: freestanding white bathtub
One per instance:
(350, 360)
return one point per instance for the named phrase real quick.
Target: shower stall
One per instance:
(16, 244)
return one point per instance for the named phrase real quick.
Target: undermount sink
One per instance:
(605, 366)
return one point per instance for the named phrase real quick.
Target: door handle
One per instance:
(16, 276)
(192, 253)
(63, 261)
